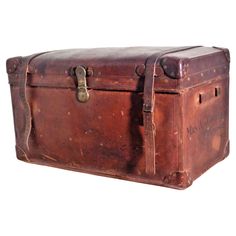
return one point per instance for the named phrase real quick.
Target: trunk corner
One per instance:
(178, 179)
(12, 64)
(21, 154)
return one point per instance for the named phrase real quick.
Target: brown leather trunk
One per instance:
(147, 114)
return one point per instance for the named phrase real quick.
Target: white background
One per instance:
(37, 200)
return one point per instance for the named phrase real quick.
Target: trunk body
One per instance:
(105, 135)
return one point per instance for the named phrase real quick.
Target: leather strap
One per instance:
(148, 107)
(23, 76)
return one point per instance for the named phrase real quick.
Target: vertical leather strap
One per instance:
(148, 107)
(23, 76)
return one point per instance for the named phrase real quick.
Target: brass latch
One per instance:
(82, 91)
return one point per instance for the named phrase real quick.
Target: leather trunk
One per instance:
(147, 114)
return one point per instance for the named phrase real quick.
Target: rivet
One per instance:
(71, 71)
(214, 70)
(70, 139)
(101, 144)
(202, 74)
(31, 69)
(188, 78)
(99, 117)
(140, 70)
(158, 71)
(89, 71)
(68, 113)
(41, 76)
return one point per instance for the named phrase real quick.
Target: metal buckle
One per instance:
(82, 91)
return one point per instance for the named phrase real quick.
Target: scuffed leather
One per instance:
(105, 136)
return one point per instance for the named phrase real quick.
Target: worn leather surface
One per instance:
(153, 71)
(105, 136)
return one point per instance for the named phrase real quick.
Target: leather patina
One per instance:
(153, 115)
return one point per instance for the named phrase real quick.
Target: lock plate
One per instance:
(82, 91)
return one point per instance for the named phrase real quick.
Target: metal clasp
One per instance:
(82, 91)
